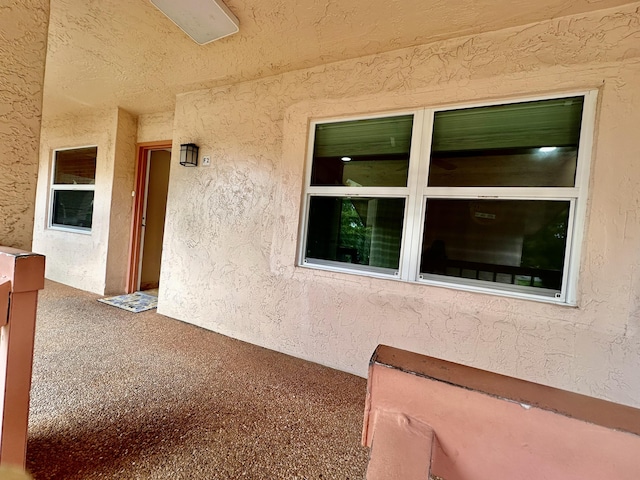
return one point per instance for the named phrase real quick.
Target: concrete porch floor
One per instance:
(142, 396)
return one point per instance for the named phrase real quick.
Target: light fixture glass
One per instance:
(346, 159)
(548, 149)
(203, 20)
(189, 155)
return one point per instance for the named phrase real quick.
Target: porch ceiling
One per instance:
(105, 53)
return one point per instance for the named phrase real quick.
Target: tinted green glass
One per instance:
(372, 152)
(363, 231)
(519, 242)
(73, 208)
(529, 144)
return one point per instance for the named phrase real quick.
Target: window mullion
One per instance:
(415, 214)
(359, 191)
(502, 192)
(87, 186)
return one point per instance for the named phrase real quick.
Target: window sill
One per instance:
(496, 292)
(80, 230)
(353, 275)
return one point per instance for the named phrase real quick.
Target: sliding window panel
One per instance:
(507, 244)
(362, 153)
(73, 208)
(528, 144)
(75, 167)
(360, 233)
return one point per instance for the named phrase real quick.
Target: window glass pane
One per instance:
(519, 242)
(372, 152)
(75, 167)
(530, 144)
(73, 208)
(362, 231)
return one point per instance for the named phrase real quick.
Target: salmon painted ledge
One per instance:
(580, 407)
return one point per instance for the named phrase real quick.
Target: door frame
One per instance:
(140, 176)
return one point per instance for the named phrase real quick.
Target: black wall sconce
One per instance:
(189, 155)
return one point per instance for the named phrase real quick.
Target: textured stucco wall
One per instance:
(74, 258)
(131, 55)
(23, 47)
(121, 202)
(155, 127)
(232, 228)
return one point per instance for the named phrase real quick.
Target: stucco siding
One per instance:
(23, 47)
(232, 228)
(77, 259)
(155, 127)
(121, 203)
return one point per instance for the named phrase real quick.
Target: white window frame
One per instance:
(417, 192)
(53, 187)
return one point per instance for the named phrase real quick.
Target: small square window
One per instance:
(73, 188)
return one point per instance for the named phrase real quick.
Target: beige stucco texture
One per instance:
(229, 259)
(133, 56)
(95, 261)
(23, 46)
(154, 127)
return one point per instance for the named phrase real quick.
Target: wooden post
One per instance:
(21, 276)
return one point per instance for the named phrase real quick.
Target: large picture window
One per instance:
(73, 188)
(488, 198)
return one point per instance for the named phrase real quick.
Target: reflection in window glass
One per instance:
(75, 167)
(529, 144)
(73, 208)
(519, 242)
(361, 231)
(373, 152)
